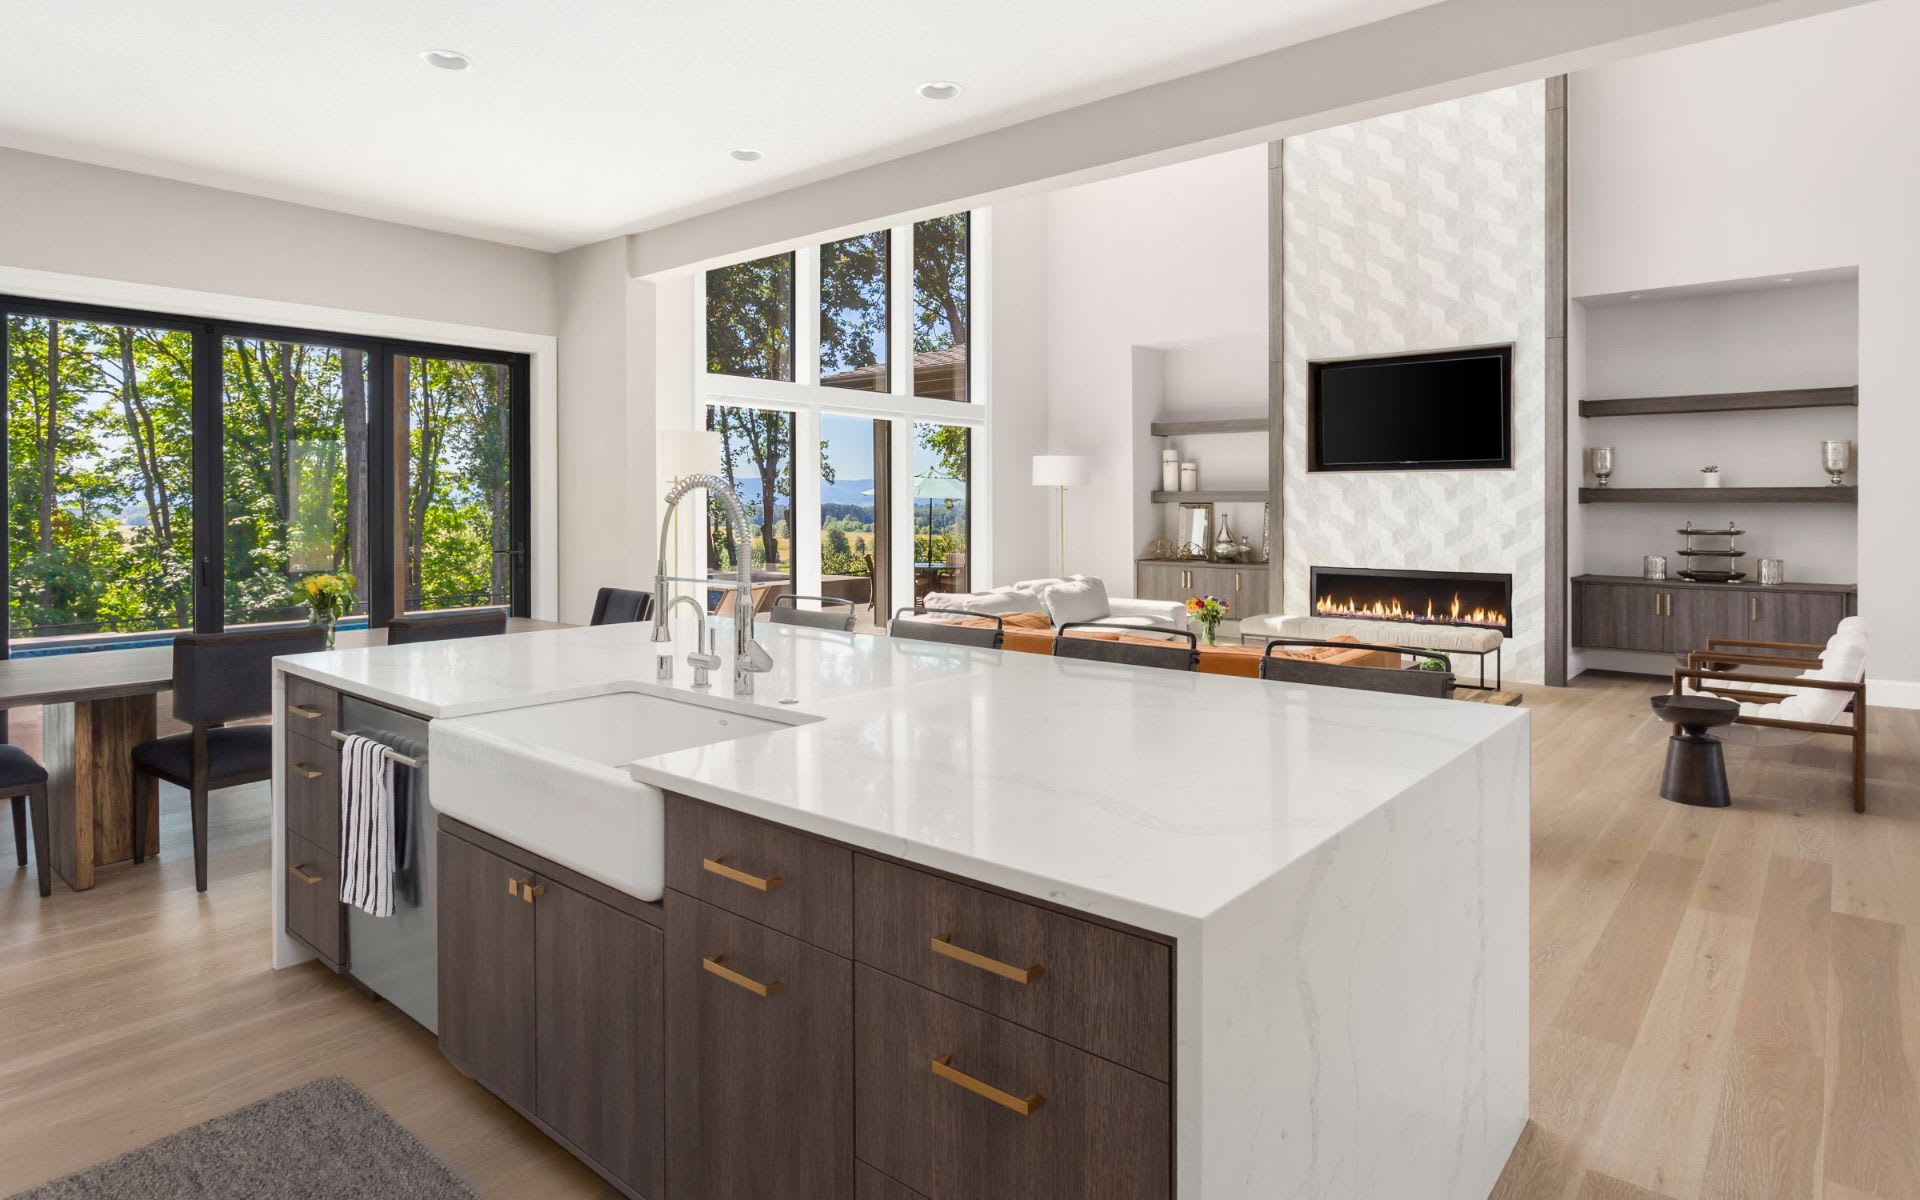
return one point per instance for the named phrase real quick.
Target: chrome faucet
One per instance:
(701, 658)
(749, 657)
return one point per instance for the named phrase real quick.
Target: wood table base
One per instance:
(89, 759)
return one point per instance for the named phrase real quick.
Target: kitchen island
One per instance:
(1165, 933)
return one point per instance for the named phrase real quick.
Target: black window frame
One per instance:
(209, 449)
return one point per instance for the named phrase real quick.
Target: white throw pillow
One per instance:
(1080, 600)
(948, 601)
(1005, 602)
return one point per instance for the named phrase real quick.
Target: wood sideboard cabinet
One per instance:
(1672, 616)
(1242, 585)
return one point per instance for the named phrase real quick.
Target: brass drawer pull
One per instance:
(306, 710)
(525, 889)
(943, 1067)
(712, 966)
(944, 947)
(302, 769)
(718, 866)
(300, 872)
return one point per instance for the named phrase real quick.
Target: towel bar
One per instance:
(404, 760)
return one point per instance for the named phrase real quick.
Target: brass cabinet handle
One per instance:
(718, 866)
(715, 966)
(305, 710)
(943, 1067)
(1656, 604)
(944, 947)
(306, 771)
(1236, 581)
(299, 871)
(1753, 608)
(525, 889)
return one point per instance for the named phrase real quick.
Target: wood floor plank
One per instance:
(1573, 1076)
(1610, 998)
(1783, 1001)
(1602, 1187)
(1873, 1125)
(1660, 1118)
(1766, 1133)
(1735, 872)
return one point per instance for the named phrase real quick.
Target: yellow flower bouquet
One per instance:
(328, 597)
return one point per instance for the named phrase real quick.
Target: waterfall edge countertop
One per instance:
(1151, 797)
(1343, 874)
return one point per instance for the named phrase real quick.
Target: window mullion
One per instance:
(900, 311)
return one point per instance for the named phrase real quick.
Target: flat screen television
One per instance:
(1449, 411)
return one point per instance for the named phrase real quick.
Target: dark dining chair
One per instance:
(218, 678)
(833, 613)
(618, 606)
(909, 623)
(1406, 681)
(24, 781)
(445, 626)
(1181, 653)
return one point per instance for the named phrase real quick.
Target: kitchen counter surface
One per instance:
(1152, 797)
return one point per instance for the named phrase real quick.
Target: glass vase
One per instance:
(325, 622)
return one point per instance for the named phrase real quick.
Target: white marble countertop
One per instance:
(1152, 797)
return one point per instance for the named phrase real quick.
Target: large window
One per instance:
(840, 378)
(942, 312)
(942, 517)
(853, 313)
(750, 319)
(99, 475)
(167, 473)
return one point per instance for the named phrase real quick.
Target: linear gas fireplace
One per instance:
(1479, 599)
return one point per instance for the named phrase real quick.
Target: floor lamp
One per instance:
(1060, 472)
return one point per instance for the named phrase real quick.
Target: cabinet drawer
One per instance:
(313, 791)
(313, 709)
(787, 880)
(1097, 988)
(313, 900)
(869, 1184)
(938, 1089)
(759, 1060)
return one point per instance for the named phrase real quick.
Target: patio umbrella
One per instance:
(936, 487)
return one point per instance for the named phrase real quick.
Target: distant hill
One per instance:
(842, 491)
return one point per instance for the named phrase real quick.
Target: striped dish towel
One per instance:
(366, 825)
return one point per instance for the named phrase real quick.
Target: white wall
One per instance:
(1023, 522)
(1169, 256)
(1422, 231)
(80, 219)
(1764, 154)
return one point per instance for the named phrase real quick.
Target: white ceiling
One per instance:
(579, 119)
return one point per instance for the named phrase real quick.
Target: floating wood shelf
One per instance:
(1225, 425)
(1721, 495)
(1633, 406)
(1229, 497)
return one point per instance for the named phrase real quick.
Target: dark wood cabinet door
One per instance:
(599, 1054)
(1249, 595)
(1160, 581)
(1700, 613)
(872, 1185)
(314, 912)
(759, 1086)
(1806, 617)
(1618, 616)
(940, 1089)
(486, 970)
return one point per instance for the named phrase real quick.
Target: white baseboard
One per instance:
(1893, 693)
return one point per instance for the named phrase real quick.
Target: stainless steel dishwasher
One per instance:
(396, 957)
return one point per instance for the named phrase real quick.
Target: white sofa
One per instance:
(1029, 596)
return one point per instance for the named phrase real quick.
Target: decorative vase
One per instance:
(1602, 464)
(1710, 479)
(1836, 458)
(326, 623)
(1223, 547)
(1773, 572)
(1170, 471)
(1189, 477)
(1654, 566)
(1211, 632)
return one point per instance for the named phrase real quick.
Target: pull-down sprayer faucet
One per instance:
(749, 656)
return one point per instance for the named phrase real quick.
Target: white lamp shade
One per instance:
(1062, 470)
(683, 452)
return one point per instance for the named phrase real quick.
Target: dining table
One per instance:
(97, 705)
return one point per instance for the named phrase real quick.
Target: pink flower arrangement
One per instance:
(1209, 611)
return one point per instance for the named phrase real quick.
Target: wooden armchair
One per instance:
(1709, 671)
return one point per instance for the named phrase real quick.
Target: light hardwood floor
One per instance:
(1724, 1003)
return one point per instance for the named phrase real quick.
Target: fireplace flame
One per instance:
(1393, 610)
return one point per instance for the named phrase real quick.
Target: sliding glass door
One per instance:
(855, 523)
(165, 473)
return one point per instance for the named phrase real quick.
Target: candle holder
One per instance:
(1836, 459)
(1600, 461)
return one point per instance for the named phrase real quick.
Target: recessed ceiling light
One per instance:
(939, 89)
(446, 60)
(1784, 279)
(1638, 296)
(744, 154)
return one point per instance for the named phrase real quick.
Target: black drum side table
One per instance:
(1696, 770)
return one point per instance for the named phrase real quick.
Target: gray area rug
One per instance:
(320, 1140)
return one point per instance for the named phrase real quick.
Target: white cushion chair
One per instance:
(1085, 596)
(1814, 699)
